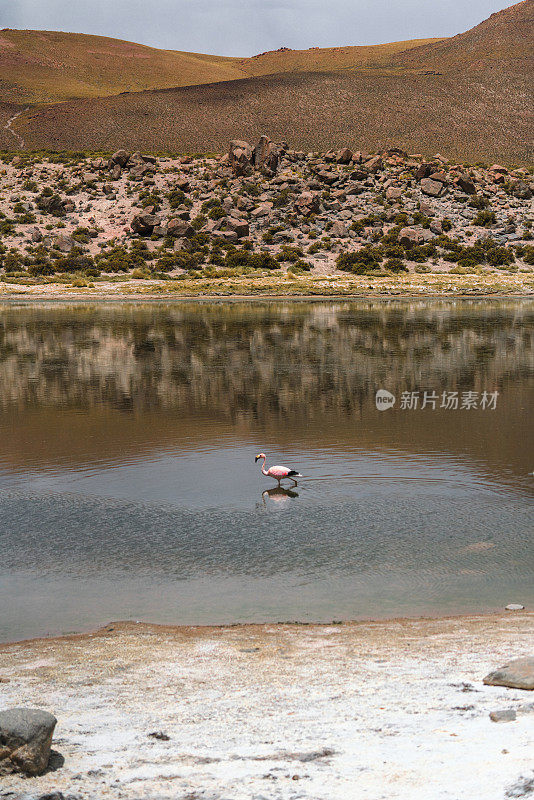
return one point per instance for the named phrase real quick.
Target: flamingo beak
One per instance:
(256, 459)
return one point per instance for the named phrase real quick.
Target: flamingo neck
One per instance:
(263, 466)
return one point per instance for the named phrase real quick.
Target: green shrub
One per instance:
(485, 219)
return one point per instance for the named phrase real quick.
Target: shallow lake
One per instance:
(129, 490)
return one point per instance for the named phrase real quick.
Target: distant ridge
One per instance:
(47, 66)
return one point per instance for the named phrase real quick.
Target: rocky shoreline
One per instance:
(394, 709)
(264, 220)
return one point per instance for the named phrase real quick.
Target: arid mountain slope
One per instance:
(470, 97)
(503, 41)
(45, 66)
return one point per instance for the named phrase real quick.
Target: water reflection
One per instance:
(127, 482)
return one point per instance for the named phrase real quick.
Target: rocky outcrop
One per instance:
(517, 674)
(25, 740)
(244, 159)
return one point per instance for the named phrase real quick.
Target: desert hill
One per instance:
(45, 66)
(470, 97)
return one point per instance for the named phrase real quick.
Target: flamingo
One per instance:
(277, 472)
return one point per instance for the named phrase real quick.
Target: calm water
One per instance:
(128, 487)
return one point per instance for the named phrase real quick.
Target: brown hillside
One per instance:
(44, 66)
(504, 40)
(427, 99)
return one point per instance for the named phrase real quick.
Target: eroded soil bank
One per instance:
(393, 709)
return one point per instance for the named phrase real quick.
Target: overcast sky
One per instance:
(246, 27)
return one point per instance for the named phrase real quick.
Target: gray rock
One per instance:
(514, 607)
(25, 740)
(64, 243)
(517, 674)
(431, 188)
(121, 157)
(505, 715)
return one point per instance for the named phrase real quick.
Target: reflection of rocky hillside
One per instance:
(267, 359)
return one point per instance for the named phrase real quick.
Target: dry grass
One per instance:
(469, 118)
(45, 66)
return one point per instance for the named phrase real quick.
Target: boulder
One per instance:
(465, 183)
(179, 227)
(145, 222)
(266, 156)
(374, 164)
(409, 237)
(25, 740)
(121, 157)
(344, 156)
(239, 226)
(393, 193)
(338, 230)
(240, 158)
(431, 188)
(116, 172)
(64, 243)
(522, 191)
(517, 674)
(307, 203)
(424, 170)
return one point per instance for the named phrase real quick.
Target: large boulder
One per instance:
(465, 183)
(25, 740)
(431, 188)
(266, 155)
(145, 222)
(121, 157)
(240, 157)
(308, 203)
(517, 674)
(179, 227)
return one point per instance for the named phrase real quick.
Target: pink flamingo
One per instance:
(278, 473)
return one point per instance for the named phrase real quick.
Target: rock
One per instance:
(374, 164)
(35, 234)
(517, 674)
(424, 170)
(409, 237)
(25, 740)
(121, 157)
(338, 230)
(52, 205)
(514, 607)
(239, 226)
(344, 156)
(163, 737)
(179, 227)
(522, 191)
(240, 157)
(430, 187)
(145, 222)
(116, 172)
(465, 183)
(393, 193)
(307, 203)
(64, 243)
(265, 156)
(506, 715)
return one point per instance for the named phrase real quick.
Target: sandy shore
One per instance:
(390, 710)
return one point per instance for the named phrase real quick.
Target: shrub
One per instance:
(362, 261)
(485, 219)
